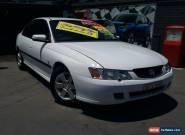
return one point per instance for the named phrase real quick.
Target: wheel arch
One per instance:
(57, 68)
(58, 65)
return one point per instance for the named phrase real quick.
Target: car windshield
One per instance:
(127, 18)
(80, 30)
(108, 24)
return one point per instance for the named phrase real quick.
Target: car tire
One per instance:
(63, 88)
(20, 60)
(131, 38)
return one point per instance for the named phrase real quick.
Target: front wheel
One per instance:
(63, 87)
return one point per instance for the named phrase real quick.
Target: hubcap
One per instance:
(64, 86)
(19, 59)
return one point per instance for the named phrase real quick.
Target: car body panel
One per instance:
(102, 92)
(118, 54)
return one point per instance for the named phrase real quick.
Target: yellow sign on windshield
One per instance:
(77, 29)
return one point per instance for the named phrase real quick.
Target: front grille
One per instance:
(150, 72)
(118, 95)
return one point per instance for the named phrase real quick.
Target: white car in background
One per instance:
(82, 60)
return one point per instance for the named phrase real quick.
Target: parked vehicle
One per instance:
(82, 60)
(133, 27)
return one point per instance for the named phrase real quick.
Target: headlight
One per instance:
(166, 68)
(96, 73)
(109, 74)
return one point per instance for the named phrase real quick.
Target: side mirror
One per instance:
(40, 37)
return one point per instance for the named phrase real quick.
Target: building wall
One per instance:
(142, 32)
(167, 14)
(13, 19)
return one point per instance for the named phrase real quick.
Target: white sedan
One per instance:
(82, 60)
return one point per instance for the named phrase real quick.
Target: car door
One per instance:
(25, 39)
(38, 47)
(39, 27)
(32, 50)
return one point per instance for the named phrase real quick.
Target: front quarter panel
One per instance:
(76, 62)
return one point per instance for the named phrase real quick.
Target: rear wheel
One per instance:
(63, 87)
(20, 61)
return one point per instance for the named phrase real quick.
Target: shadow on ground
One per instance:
(2, 68)
(127, 112)
(133, 111)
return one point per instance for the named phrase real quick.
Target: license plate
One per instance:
(152, 86)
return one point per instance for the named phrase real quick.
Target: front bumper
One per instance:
(107, 92)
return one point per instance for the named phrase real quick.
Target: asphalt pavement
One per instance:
(28, 108)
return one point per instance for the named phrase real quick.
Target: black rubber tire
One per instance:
(131, 38)
(54, 92)
(20, 61)
(147, 42)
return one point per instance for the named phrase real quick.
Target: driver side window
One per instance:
(36, 27)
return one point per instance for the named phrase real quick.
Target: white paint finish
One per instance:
(118, 55)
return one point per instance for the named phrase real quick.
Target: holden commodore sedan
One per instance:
(82, 60)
